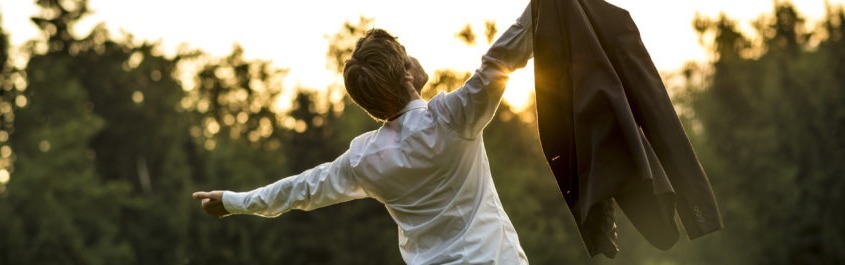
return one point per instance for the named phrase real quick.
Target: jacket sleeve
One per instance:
(324, 185)
(469, 109)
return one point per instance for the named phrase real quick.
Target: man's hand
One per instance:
(212, 202)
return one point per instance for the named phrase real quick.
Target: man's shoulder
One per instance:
(436, 102)
(440, 106)
(361, 140)
(448, 110)
(358, 146)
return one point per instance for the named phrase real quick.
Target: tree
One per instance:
(10, 99)
(42, 208)
(768, 129)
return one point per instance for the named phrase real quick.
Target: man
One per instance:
(427, 164)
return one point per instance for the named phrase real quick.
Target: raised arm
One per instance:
(324, 185)
(469, 109)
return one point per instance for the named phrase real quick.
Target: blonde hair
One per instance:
(375, 74)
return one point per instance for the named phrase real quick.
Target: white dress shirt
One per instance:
(428, 167)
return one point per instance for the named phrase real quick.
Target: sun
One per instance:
(520, 88)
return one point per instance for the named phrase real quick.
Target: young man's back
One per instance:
(427, 165)
(438, 188)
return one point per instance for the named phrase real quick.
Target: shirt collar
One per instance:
(414, 104)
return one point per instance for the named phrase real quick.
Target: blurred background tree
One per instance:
(766, 118)
(102, 139)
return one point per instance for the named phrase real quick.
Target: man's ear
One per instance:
(419, 74)
(408, 79)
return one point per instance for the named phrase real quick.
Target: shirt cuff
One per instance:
(233, 202)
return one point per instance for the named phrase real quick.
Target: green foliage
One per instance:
(55, 203)
(767, 122)
(105, 144)
(10, 98)
(766, 119)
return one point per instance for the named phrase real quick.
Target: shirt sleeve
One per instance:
(469, 109)
(324, 185)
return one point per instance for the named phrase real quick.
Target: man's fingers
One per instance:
(201, 195)
(214, 195)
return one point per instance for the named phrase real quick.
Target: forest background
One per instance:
(103, 138)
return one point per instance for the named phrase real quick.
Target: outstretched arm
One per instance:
(469, 109)
(324, 185)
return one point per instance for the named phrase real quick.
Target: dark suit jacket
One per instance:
(609, 130)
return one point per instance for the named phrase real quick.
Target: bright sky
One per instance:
(293, 33)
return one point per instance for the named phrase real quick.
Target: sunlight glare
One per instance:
(520, 88)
